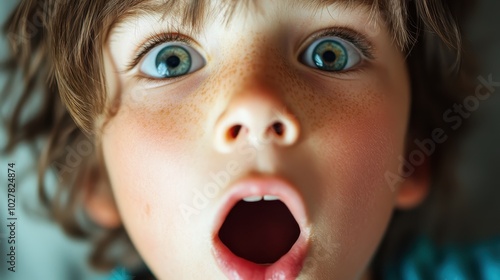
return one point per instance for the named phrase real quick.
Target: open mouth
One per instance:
(261, 231)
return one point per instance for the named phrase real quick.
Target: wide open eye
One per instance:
(171, 60)
(331, 54)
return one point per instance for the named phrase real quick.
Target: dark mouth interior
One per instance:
(260, 232)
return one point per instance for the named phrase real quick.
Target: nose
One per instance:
(257, 118)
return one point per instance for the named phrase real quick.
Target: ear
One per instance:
(98, 200)
(414, 189)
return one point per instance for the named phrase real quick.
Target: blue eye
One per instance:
(171, 60)
(331, 54)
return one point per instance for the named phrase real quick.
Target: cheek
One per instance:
(358, 135)
(366, 145)
(147, 156)
(357, 152)
(367, 148)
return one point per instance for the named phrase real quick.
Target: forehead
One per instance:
(194, 13)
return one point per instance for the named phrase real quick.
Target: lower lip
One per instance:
(236, 268)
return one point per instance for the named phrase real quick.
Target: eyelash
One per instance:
(156, 40)
(357, 39)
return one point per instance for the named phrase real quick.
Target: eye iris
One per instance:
(173, 61)
(330, 56)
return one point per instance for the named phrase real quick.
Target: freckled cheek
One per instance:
(358, 147)
(146, 160)
(371, 147)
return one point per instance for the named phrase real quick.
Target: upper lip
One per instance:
(260, 186)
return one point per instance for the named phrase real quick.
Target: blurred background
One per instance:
(44, 251)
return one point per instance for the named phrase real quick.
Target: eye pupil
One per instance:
(173, 61)
(329, 56)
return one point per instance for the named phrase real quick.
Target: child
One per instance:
(243, 139)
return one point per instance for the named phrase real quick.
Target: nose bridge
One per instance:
(256, 60)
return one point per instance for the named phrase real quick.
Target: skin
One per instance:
(165, 139)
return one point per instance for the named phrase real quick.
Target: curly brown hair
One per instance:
(57, 47)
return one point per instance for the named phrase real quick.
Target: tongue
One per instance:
(260, 232)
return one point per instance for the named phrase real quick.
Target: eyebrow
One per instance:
(193, 14)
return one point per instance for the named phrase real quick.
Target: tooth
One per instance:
(252, 198)
(271, 197)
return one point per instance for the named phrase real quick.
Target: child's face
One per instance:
(270, 101)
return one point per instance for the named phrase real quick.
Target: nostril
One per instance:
(234, 131)
(278, 128)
